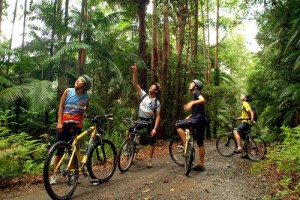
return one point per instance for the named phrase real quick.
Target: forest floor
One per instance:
(224, 178)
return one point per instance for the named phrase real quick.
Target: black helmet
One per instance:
(87, 83)
(248, 97)
(198, 84)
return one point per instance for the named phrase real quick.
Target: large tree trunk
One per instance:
(155, 36)
(216, 77)
(181, 22)
(24, 23)
(208, 46)
(196, 22)
(141, 12)
(82, 53)
(165, 72)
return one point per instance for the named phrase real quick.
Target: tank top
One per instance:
(74, 106)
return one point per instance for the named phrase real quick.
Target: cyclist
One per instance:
(196, 120)
(73, 104)
(149, 110)
(246, 120)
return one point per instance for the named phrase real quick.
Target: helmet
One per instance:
(87, 83)
(198, 83)
(248, 97)
(157, 86)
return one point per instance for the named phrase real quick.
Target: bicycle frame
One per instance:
(76, 149)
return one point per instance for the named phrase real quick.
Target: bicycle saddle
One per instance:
(71, 123)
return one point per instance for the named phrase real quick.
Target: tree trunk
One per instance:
(217, 74)
(82, 53)
(208, 46)
(181, 17)
(155, 36)
(24, 23)
(165, 72)
(196, 24)
(141, 12)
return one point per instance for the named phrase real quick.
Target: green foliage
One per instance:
(20, 155)
(284, 161)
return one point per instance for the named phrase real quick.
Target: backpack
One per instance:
(255, 113)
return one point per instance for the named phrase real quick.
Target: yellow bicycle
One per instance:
(98, 162)
(183, 154)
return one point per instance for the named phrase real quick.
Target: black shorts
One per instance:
(149, 127)
(242, 128)
(66, 136)
(198, 125)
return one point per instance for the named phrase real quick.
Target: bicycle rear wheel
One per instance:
(126, 155)
(176, 150)
(189, 157)
(102, 161)
(226, 145)
(66, 181)
(256, 148)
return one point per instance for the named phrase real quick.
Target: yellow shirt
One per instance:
(246, 116)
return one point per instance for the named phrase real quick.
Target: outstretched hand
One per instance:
(134, 68)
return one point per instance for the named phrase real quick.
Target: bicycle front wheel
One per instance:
(60, 183)
(126, 155)
(226, 145)
(102, 161)
(176, 150)
(189, 157)
(256, 148)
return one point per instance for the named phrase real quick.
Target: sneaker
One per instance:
(53, 180)
(199, 168)
(239, 150)
(149, 164)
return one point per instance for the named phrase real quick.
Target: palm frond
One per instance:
(9, 96)
(41, 94)
(65, 49)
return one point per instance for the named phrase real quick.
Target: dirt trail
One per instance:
(224, 178)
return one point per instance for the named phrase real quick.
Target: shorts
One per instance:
(67, 135)
(242, 129)
(149, 127)
(198, 125)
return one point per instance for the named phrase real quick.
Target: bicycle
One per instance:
(254, 146)
(183, 154)
(131, 146)
(98, 163)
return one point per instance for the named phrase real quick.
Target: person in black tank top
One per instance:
(196, 120)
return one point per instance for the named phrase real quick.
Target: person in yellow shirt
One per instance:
(247, 119)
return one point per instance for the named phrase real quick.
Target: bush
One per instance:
(20, 155)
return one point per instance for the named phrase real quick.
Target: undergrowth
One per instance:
(20, 155)
(282, 165)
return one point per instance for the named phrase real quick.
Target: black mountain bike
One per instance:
(254, 146)
(131, 146)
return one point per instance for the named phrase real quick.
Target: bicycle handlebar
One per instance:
(126, 119)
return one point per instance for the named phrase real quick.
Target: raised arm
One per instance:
(134, 78)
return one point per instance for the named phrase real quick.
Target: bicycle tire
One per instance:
(256, 148)
(176, 150)
(102, 161)
(126, 155)
(65, 186)
(226, 145)
(189, 157)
